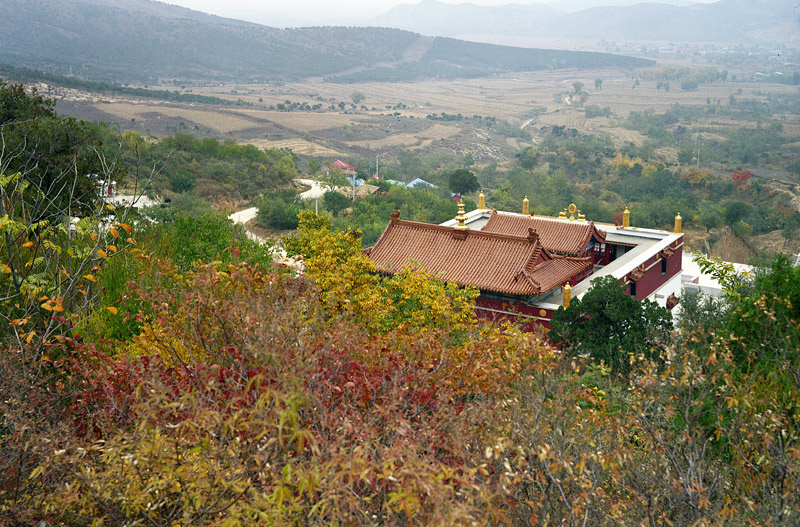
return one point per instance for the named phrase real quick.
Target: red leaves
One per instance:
(741, 176)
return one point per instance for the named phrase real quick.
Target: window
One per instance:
(633, 289)
(612, 253)
(663, 266)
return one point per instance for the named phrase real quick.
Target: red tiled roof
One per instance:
(559, 236)
(516, 265)
(341, 165)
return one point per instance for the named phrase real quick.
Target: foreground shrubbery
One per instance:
(254, 397)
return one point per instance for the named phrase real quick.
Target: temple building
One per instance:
(526, 266)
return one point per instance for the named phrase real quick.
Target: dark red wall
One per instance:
(652, 279)
(527, 316)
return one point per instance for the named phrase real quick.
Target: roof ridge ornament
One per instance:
(461, 218)
(567, 298)
(572, 209)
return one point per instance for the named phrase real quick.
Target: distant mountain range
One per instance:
(726, 21)
(144, 40)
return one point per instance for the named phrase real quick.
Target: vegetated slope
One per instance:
(111, 43)
(140, 41)
(724, 21)
(450, 58)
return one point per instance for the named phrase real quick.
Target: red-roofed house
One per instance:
(346, 169)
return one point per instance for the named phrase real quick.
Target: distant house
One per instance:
(344, 168)
(420, 183)
(347, 170)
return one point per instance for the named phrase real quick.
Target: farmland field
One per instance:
(392, 117)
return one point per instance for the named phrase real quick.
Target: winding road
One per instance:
(243, 216)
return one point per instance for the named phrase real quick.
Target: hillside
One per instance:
(726, 21)
(145, 41)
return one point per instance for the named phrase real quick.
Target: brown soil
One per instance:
(226, 204)
(774, 242)
(731, 248)
(267, 234)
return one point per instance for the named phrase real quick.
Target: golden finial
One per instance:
(461, 218)
(572, 209)
(567, 295)
(678, 222)
(626, 218)
(525, 209)
(481, 201)
(562, 214)
(581, 217)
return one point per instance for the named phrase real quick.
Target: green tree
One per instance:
(598, 84)
(357, 97)
(736, 211)
(609, 325)
(332, 179)
(711, 218)
(189, 240)
(49, 150)
(182, 181)
(766, 321)
(577, 86)
(279, 209)
(314, 166)
(335, 202)
(462, 181)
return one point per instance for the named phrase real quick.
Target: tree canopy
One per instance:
(462, 181)
(607, 325)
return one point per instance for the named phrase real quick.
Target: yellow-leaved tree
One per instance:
(349, 282)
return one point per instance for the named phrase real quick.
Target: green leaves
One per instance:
(610, 326)
(724, 273)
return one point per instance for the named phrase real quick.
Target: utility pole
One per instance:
(698, 150)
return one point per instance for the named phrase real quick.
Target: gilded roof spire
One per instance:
(462, 217)
(626, 218)
(481, 201)
(678, 222)
(567, 295)
(525, 206)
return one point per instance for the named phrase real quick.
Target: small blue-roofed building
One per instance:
(421, 184)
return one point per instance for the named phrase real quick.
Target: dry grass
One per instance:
(418, 139)
(304, 121)
(218, 121)
(299, 146)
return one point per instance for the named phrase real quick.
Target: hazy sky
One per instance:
(310, 12)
